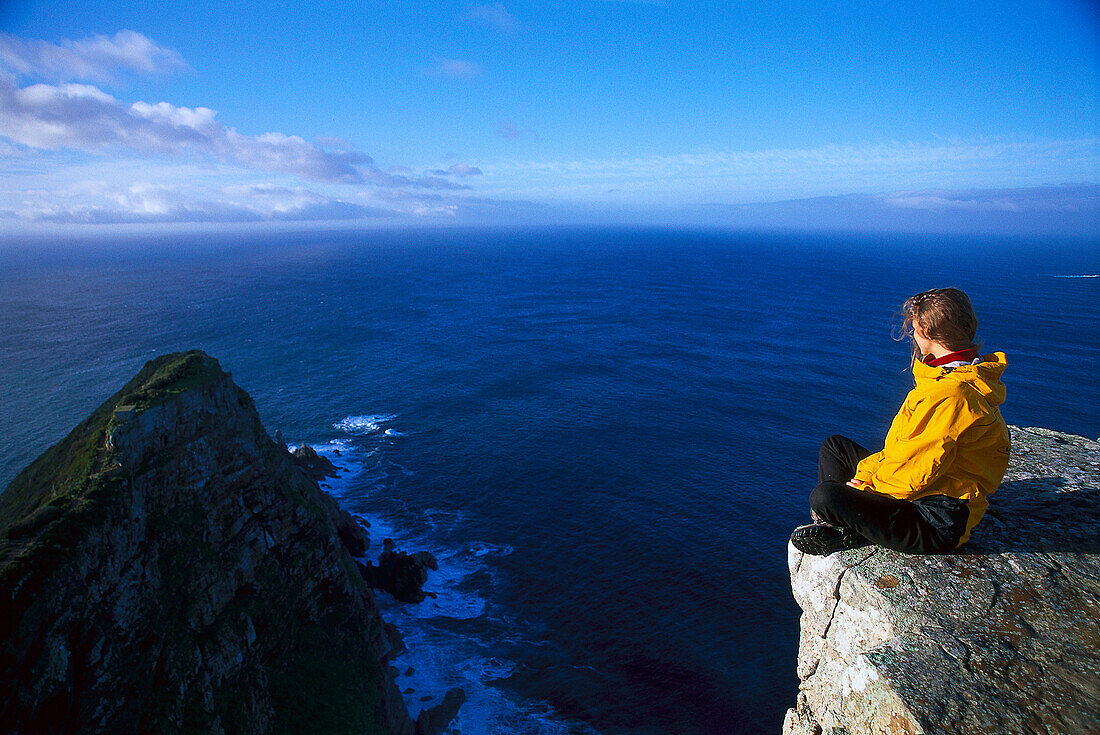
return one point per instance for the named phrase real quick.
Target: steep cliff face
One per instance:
(1002, 636)
(167, 568)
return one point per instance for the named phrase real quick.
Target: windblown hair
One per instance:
(944, 315)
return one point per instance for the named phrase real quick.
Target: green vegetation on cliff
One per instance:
(66, 471)
(166, 567)
(47, 508)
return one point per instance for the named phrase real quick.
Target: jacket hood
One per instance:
(984, 377)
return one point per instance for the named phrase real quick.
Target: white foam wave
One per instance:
(488, 710)
(496, 713)
(363, 425)
(453, 638)
(1082, 275)
(453, 599)
(439, 518)
(347, 460)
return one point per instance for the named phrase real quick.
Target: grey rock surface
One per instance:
(1002, 636)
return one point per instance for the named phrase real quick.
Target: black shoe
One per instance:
(822, 539)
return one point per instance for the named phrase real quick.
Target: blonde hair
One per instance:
(944, 315)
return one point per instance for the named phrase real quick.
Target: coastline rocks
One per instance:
(313, 465)
(351, 532)
(351, 529)
(396, 642)
(1001, 636)
(167, 568)
(402, 575)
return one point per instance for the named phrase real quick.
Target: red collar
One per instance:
(966, 355)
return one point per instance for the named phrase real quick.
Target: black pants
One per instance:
(930, 525)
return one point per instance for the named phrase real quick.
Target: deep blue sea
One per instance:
(605, 436)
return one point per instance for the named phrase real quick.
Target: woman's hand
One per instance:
(857, 484)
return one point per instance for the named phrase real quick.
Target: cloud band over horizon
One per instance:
(77, 154)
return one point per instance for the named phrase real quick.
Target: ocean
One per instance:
(604, 435)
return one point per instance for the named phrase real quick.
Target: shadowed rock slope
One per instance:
(166, 568)
(1002, 636)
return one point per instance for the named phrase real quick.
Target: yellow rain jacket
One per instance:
(947, 439)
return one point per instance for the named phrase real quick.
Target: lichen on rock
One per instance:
(1002, 635)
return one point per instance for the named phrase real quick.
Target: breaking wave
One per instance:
(460, 637)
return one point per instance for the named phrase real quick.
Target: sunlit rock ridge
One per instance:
(168, 568)
(1002, 636)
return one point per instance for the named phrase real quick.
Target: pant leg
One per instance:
(883, 520)
(837, 459)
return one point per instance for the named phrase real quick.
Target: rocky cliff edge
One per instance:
(167, 568)
(1002, 636)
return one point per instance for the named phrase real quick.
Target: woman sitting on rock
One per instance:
(946, 450)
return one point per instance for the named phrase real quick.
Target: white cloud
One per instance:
(937, 201)
(776, 174)
(495, 15)
(52, 188)
(1069, 210)
(298, 203)
(83, 117)
(98, 58)
(97, 203)
(461, 169)
(72, 153)
(331, 141)
(104, 202)
(464, 169)
(1069, 198)
(60, 188)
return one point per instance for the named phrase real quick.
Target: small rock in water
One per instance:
(313, 465)
(402, 575)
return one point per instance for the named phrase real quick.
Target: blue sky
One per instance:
(939, 115)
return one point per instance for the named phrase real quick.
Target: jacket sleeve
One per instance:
(921, 446)
(865, 470)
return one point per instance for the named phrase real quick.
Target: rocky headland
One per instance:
(1002, 636)
(170, 568)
